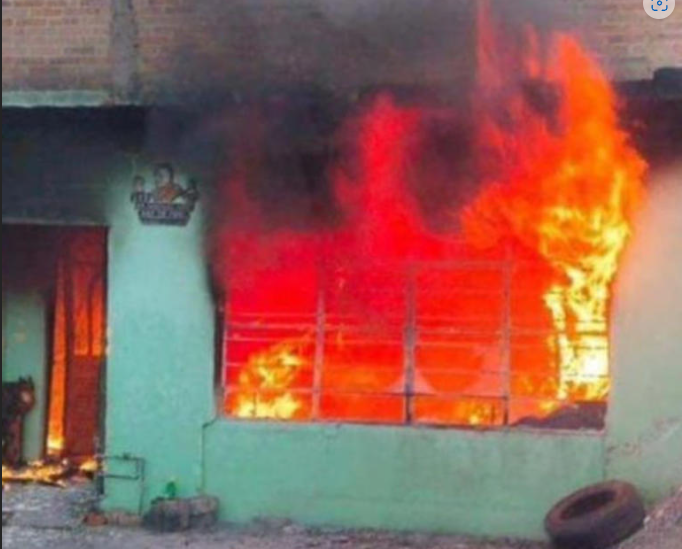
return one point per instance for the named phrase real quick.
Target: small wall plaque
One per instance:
(168, 202)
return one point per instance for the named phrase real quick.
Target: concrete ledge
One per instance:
(481, 483)
(65, 99)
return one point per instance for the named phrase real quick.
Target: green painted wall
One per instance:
(494, 483)
(160, 396)
(160, 365)
(56, 169)
(645, 418)
(77, 167)
(24, 333)
(27, 259)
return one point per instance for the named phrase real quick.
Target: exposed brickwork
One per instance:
(83, 44)
(630, 44)
(245, 43)
(55, 44)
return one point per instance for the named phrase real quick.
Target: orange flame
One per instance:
(36, 472)
(264, 388)
(567, 188)
(55, 425)
(561, 183)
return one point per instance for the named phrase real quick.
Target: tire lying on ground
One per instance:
(596, 517)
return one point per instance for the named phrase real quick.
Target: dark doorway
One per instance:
(67, 267)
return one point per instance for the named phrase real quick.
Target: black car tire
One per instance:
(596, 517)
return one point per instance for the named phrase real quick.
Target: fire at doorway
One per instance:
(78, 346)
(64, 267)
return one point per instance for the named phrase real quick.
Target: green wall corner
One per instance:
(161, 355)
(24, 354)
(645, 415)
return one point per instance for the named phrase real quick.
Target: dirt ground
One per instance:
(37, 517)
(40, 518)
(224, 539)
(663, 529)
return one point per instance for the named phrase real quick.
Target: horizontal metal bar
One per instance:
(139, 467)
(359, 392)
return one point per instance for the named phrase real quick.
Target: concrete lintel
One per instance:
(63, 99)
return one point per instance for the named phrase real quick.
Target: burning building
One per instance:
(406, 269)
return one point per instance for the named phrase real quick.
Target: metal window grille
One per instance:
(466, 343)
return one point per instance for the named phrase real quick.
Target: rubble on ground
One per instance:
(35, 517)
(663, 529)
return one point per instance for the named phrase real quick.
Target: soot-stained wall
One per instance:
(25, 334)
(123, 51)
(78, 167)
(644, 440)
(161, 404)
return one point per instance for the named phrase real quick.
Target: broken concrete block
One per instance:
(168, 515)
(203, 512)
(95, 520)
(6, 518)
(123, 519)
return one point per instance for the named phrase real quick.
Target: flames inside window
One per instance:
(419, 303)
(465, 343)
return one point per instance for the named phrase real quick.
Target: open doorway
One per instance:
(77, 344)
(56, 276)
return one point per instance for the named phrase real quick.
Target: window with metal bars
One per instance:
(468, 343)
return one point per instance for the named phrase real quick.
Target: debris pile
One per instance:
(663, 529)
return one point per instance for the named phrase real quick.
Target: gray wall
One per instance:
(645, 417)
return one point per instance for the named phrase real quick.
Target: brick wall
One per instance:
(259, 43)
(55, 44)
(142, 48)
(630, 44)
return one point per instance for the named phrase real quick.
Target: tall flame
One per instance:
(560, 185)
(566, 185)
